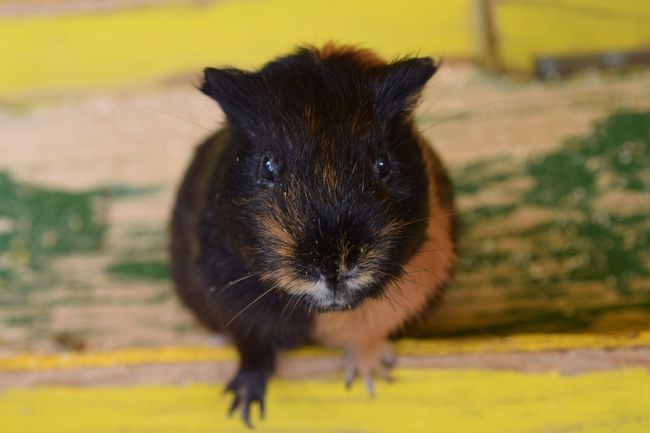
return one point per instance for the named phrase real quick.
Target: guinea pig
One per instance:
(316, 214)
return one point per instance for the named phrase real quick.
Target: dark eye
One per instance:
(382, 166)
(268, 170)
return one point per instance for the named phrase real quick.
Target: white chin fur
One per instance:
(325, 298)
(320, 294)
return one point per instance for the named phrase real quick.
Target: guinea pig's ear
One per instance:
(233, 89)
(399, 84)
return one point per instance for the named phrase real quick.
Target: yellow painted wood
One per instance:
(526, 29)
(517, 343)
(72, 51)
(53, 54)
(466, 401)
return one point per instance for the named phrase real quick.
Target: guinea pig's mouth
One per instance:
(323, 294)
(336, 305)
(323, 298)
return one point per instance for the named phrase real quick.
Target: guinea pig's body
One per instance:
(316, 214)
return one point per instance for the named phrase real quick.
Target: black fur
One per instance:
(315, 116)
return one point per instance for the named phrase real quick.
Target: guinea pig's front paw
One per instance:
(248, 386)
(369, 363)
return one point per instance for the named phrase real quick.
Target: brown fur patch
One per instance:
(344, 249)
(361, 124)
(366, 327)
(328, 175)
(284, 246)
(362, 56)
(311, 119)
(283, 242)
(287, 281)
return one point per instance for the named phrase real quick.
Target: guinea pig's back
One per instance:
(185, 226)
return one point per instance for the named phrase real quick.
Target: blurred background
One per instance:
(541, 111)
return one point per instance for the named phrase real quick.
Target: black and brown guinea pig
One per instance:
(316, 214)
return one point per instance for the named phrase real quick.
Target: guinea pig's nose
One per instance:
(336, 277)
(331, 276)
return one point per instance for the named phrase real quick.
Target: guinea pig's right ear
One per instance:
(400, 83)
(233, 91)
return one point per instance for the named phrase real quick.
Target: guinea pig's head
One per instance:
(325, 187)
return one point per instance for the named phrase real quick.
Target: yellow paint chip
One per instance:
(465, 401)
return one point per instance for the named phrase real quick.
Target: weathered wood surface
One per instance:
(63, 45)
(56, 49)
(554, 194)
(528, 30)
(454, 385)
(552, 186)
(422, 401)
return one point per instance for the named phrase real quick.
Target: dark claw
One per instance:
(388, 362)
(248, 387)
(245, 414)
(388, 359)
(349, 381)
(370, 386)
(233, 405)
(262, 407)
(246, 407)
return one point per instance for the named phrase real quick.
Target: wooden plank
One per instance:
(558, 66)
(407, 347)
(540, 252)
(56, 54)
(419, 401)
(65, 47)
(527, 30)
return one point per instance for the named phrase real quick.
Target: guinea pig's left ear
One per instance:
(399, 84)
(233, 89)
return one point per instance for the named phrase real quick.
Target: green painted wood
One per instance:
(557, 242)
(568, 249)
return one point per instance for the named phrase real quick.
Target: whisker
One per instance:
(445, 214)
(172, 114)
(390, 301)
(437, 250)
(463, 113)
(408, 223)
(416, 271)
(249, 305)
(298, 299)
(393, 299)
(420, 268)
(238, 280)
(402, 278)
(451, 88)
(284, 309)
(231, 283)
